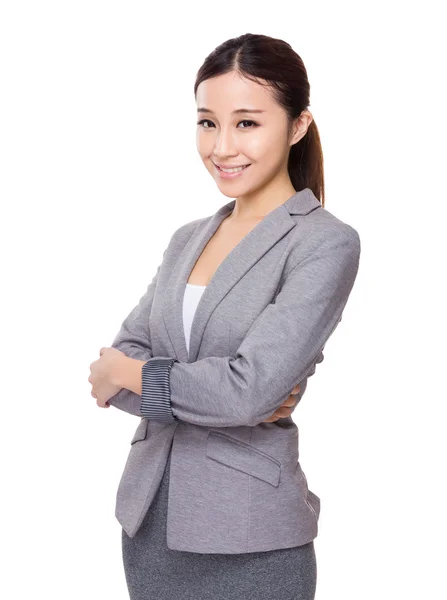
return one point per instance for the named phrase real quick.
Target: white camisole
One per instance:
(191, 299)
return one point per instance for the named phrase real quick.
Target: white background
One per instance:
(99, 167)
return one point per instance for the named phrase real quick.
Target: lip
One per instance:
(224, 175)
(229, 166)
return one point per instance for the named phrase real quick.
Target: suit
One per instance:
(236, 484)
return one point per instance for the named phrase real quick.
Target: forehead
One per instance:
(231, 91)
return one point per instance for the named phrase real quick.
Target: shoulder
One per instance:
(180, 237)
(321, 232)
(322, 224)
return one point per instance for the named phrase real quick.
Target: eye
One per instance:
(203, 121)
(246, 121)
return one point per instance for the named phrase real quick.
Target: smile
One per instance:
(230, 173)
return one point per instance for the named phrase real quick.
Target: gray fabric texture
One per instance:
(154, 571)
(259, 329)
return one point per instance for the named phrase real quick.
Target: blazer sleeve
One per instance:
(134, 340)
(279, 350)
(134, 337)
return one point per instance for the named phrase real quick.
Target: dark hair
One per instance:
(256, 56)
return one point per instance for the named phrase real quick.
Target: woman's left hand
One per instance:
(103, 374)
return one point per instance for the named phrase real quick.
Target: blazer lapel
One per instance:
(243, 256)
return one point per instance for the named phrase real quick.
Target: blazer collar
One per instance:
(247, 252)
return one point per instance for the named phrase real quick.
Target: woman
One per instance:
(228, 331)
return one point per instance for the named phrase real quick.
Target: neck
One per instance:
(259, 203)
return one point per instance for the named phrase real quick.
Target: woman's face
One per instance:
(258, 136)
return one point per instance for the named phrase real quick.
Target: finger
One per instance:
(291, 401)
(270, 419)
(283, 412)
(296, 389)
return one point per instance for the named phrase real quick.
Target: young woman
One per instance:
(213, 502)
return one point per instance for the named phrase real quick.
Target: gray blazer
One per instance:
(236, 484)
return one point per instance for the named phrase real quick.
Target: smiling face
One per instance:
(259, 136)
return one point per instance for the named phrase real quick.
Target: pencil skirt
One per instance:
(155, 572)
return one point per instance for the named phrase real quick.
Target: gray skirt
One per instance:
(155, 572)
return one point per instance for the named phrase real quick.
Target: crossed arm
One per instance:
(280, 349)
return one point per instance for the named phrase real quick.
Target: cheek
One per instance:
(255, 146)
(259, 145)
(268, 150)
(204, 145)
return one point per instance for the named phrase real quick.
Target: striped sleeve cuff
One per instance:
(156, 392)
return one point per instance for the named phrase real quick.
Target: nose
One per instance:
(224, 145)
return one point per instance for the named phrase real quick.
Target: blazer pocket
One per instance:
(243, 457)
(141, 432)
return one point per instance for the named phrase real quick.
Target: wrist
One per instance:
(127, 374)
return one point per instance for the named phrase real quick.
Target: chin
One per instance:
(227, 194)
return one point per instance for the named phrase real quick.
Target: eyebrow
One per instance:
(239, 110)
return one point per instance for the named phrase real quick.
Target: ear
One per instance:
(300, 126)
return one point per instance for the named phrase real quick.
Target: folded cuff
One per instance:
(156, 391)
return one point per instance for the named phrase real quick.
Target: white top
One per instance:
(191, 299)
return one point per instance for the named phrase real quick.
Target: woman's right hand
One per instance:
(284, 410)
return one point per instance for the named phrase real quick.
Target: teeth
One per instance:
(233, 170)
